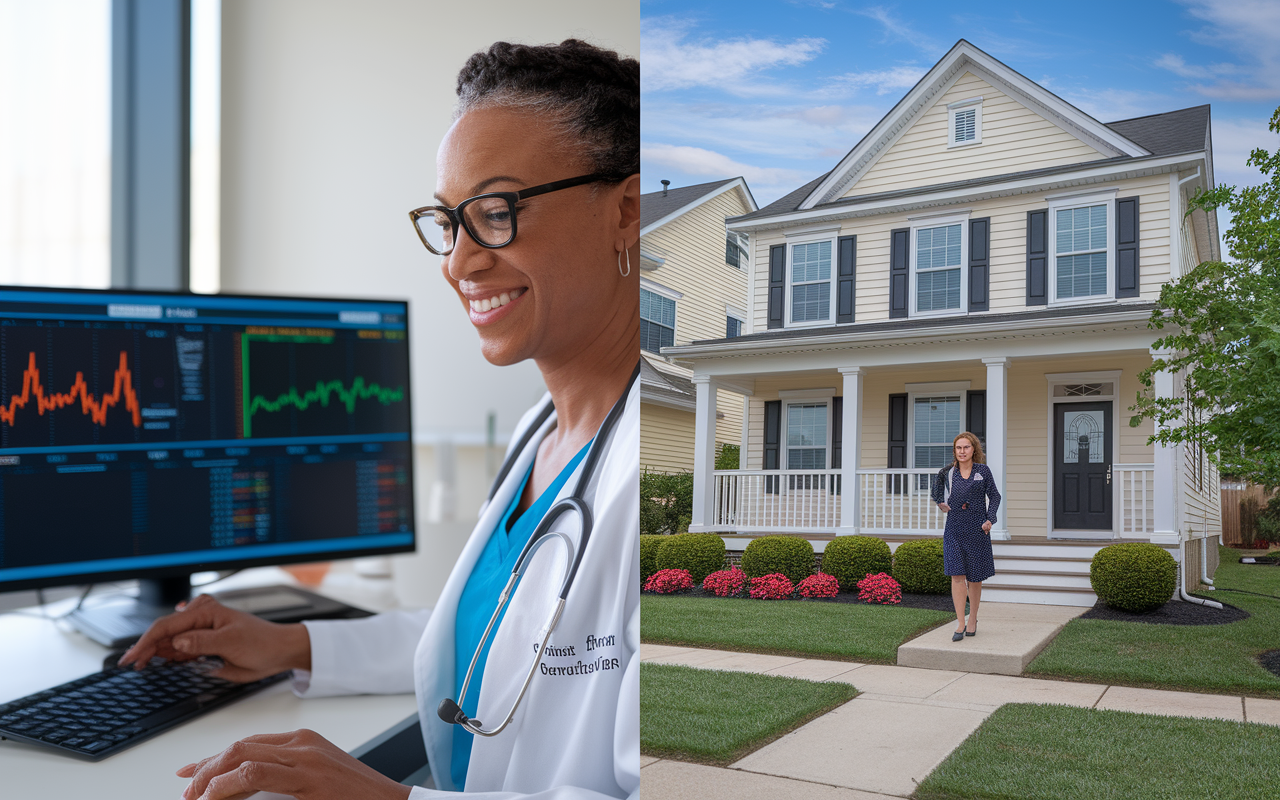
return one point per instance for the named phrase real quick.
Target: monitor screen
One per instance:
(151, 434)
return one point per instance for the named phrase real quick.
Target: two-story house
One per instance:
(986, 258)
(693, 285)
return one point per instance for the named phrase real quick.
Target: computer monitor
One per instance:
(151, 435)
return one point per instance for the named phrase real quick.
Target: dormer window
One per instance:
(964, 122)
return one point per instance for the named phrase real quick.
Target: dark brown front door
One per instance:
(1082, 466)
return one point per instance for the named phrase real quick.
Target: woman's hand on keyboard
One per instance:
(250, 648)
(302, 764)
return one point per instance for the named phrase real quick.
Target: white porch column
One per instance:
(851, 448)
(997, 437)
(1166, 477)
(704, 453)
(746, 426)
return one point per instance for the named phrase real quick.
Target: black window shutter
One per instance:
(899, 277)
(897, 441)
(777, 288)
(1127, 247)
(848, 249)
(1038, 257)
(837, 440)
(979, 263)
(976, 414)
(772, 438)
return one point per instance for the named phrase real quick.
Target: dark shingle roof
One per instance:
(656, 384)
(1182, 131)
(655, 205)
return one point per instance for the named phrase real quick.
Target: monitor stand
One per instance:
(119, 622)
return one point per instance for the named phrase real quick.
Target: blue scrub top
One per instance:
(480, 598)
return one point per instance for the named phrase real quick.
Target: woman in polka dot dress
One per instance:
(966, 491)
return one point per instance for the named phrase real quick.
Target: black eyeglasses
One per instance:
(490, 219)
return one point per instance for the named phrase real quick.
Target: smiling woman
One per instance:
(537, 224)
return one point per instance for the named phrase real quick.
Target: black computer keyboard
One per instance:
(101, 714)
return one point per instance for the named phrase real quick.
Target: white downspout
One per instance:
(1204, 557)
(1182, 584)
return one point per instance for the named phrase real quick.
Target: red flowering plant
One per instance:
(818, 585)
(725, 583)
(879, 588)
(667, 581)
(772, 587)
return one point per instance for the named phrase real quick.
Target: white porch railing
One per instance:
(898, 501)
(1135, 499)
(799, 501)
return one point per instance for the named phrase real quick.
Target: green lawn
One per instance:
(717, 718)
(838, 631)
(1039, 752)
(1203, 658)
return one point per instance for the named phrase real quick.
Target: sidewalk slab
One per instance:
(690, 658)
(648, 651)
(1264, 711)
(871, 745)
(813, 669)
(747, 662)
(1000, 689)
(676, 780)
(901, 681)
(647, 760)
(1173, 704)
(1009, 636)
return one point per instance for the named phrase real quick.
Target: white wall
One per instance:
(331, 113)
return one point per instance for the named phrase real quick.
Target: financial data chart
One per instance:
(143, 432)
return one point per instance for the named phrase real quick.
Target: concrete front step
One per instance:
(1044, 566)
(1046, 581)
(1009, 637)
(1039, 595)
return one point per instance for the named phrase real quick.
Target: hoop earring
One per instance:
(620, 272)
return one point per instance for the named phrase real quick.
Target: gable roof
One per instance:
(963, 57)
(1170, 133)
(659, 208)
(664, 388)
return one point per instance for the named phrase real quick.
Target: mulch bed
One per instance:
(933, 602)
(1270, 661)
(1174, 612)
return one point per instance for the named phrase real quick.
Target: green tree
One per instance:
(1222, 323)
(666, 502)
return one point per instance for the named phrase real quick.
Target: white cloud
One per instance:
(894, 79)
(1233, 140)
(1250, 31)
(895, 30)
(767, 183)
(1110, 105)
(669, 60)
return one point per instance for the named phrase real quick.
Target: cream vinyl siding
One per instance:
(1200, 488)
(1008, 265)
(666, 439)
(1014, 138)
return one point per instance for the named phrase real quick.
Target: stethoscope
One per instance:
(450, 711)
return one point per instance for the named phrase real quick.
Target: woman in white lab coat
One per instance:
(556, 128)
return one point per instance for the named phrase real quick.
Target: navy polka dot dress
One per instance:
(966, 547)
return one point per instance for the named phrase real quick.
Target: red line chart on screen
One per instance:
(89, 405)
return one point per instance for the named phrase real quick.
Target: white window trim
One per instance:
(941, 222)
(828, 235)
(657, 288)
(974, 103)
(945, 389)
(743, 243)
(790, 398)
(1056, 379)
(1062, 203)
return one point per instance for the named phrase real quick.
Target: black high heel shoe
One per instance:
(973, 632)
(957, 636)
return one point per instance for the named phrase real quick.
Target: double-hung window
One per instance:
(807, 435)
(657, 321)
(939, 280)
(937, 414)
(1082, 237)
(809, 281)
(735, 249)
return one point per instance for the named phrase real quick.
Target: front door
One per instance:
(1082, 466)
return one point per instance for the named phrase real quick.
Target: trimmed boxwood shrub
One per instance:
(852, 558)
(917, 565)
(700, 553)
(789, 555)
(649, 555)
(1133, 576)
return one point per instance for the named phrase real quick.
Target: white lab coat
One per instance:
(576, 734)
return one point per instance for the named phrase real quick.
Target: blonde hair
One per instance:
(978, 456)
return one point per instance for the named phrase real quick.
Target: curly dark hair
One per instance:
(592, 96)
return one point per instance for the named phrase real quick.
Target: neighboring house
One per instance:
(985, 258)
(693, 285)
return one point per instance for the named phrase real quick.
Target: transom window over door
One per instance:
(938, 263)
(807, 436)
(937, 423)
(811, 282)
(1081, 251)
(657, 321)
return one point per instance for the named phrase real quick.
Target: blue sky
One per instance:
(779, 90)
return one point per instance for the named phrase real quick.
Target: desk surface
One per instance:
(37, 653)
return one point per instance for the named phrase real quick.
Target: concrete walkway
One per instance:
(904, 723)
(1009, 636)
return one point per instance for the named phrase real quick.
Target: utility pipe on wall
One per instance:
(1182, 583)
